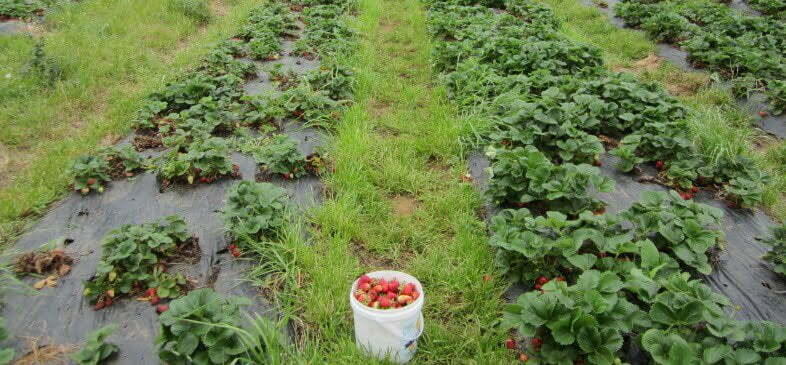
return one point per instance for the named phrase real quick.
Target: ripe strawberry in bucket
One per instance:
(382, 294)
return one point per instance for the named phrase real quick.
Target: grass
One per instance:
(396, 202)
(719, 125)
(126, 49)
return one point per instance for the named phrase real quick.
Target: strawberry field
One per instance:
(556, 207)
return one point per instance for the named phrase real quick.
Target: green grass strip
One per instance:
(397, 202)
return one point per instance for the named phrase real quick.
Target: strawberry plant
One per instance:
(133, 257)
(678, 226)
(96, 350)
(776, 93)
(280, 155)
(314, 107)
(262, 110)
(199, 328)
(123, 161)
(777, 254)
(666, 27)
(89, 173)
(522, 176)
(22, 9)
(337, 80)
(254, 212)
(205, 161)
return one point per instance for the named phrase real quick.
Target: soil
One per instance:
(404, 205)
(147, 141)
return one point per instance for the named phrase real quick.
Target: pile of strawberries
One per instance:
(234, 250)
(382, 294)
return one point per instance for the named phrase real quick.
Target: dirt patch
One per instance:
(404, 205)
(388, 25)
(370, 260)
(686, 83)
(110, 140)
(650, 63)
(145, 141)
(434, 163)
(219, 8)
(378, 108)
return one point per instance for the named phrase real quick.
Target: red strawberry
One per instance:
(415, 295)
(409, 288)
(393, 285)
(108, 301)
(536, 342)
(99, 305)
(542, 280)
(204, 180)
(597, 163)
(762, 113)
(523, 357)
(161, 308)
(150, 292)
(694, 189)
(404, 299)
(364, 279)
(154, 299)
(373, 296)
(378, 289)
(392, 295)
(510, 344)
(538, 286)
(486, 277)
(599, 211)
(365, 286)
(384, 302)
(91, 181)
(659, 165)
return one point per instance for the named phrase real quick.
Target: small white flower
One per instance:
(8, 75)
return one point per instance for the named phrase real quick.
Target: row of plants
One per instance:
(601, 288)
(539, 89)
(23, 9)
(193, 116)
(775, 8)
(749, 50)
(135, 261)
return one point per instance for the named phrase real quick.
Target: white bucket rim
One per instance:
(395, 312)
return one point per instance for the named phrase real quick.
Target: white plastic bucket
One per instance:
(389, 333)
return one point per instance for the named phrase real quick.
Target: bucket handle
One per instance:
(422, 328)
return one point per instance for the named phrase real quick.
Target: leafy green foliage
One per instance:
(6, 354)
(89, 173)
(208, 158)
(776, 93)
(199, 328)
(23, 9)
(254, 212)
(526, 176)
(315, 107)
(777, 254)
(280, 155)
(124, 158)
(337, 80)
(132, 257)
(96, 350)
(326, 32)
(198, 10)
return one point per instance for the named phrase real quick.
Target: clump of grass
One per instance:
(199, 10)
